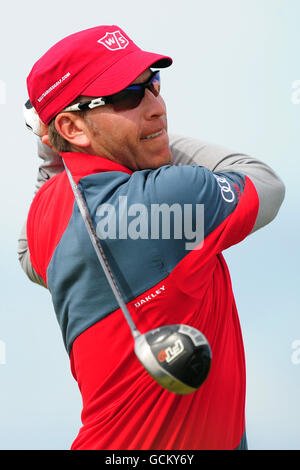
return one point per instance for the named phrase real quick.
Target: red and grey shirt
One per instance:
(162, 283)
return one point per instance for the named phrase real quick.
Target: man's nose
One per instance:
(154, 105)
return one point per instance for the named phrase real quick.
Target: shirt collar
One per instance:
(83, 164)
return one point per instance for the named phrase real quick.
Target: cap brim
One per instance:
(122, 73)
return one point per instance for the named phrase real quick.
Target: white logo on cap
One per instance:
(114, 41)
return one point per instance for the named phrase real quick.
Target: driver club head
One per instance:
(178, 357)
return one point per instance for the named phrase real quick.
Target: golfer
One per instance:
(97, 96)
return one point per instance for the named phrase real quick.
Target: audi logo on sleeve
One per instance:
(226, 191)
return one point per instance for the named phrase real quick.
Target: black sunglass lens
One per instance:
(127, 99)
(131, 97)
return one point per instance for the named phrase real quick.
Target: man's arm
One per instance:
(269, 187)
(186, 151)
(24, 258)
(51, 166)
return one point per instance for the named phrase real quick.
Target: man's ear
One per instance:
(73, 129)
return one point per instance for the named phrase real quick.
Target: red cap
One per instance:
(95, 62)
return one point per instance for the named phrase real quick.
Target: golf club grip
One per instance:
(99, 252)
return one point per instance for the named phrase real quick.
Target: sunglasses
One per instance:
(129, 98)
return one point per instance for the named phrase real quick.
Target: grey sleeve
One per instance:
(51, 165)
(24, 258)
(269, 186)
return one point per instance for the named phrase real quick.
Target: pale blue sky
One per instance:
(231, 84)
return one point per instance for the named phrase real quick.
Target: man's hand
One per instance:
(52, 162)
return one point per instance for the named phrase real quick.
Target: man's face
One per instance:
(136, 138)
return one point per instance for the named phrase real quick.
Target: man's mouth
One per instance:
(152, 136)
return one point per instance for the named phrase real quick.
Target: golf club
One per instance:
(178, 357)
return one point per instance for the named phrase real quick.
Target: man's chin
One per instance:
(160, 160)
(162, 157)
